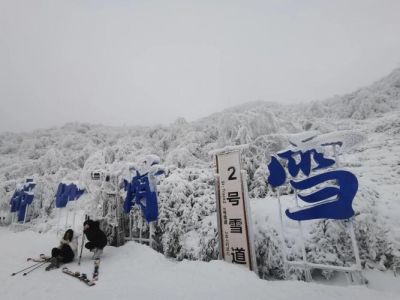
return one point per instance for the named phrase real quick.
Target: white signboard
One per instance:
(233, 220)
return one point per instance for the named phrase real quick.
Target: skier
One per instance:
(97, 238)
(65, 252)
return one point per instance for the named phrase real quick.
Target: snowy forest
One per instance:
(187, 224)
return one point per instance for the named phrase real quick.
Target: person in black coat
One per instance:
(65, 252)
(97, 238)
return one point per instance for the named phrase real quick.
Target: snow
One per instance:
(135, 271)
(346, 139)
(228, 149)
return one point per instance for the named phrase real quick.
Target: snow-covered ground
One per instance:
(135, 271)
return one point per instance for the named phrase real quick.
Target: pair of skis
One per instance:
(82, 276)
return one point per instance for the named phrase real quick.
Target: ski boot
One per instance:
(54, 264)
(97, 253)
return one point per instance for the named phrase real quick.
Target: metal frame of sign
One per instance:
(353, 272)
(136, 216)
(232, 201)
(70, 207)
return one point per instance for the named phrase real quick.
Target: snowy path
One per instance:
(137, 272)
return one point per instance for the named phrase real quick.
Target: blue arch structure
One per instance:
(22, 198)
(67, 192)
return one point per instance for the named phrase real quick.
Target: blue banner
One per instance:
(67, 192)
(141, 191)
(22, 198)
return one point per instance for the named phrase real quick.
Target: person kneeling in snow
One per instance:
(97, 238)
(65, 252)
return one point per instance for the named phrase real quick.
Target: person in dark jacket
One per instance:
(97, 238)
(65, 252)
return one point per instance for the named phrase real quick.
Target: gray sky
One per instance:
(132, 62)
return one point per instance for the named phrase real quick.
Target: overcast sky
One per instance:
(121, 62)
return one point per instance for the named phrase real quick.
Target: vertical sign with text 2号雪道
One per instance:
(233, 219)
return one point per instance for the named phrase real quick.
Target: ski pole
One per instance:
(15, 273)
(38, 266)
(83, 241)
(80, 256)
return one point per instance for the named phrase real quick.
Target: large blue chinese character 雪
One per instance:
(329, 202)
